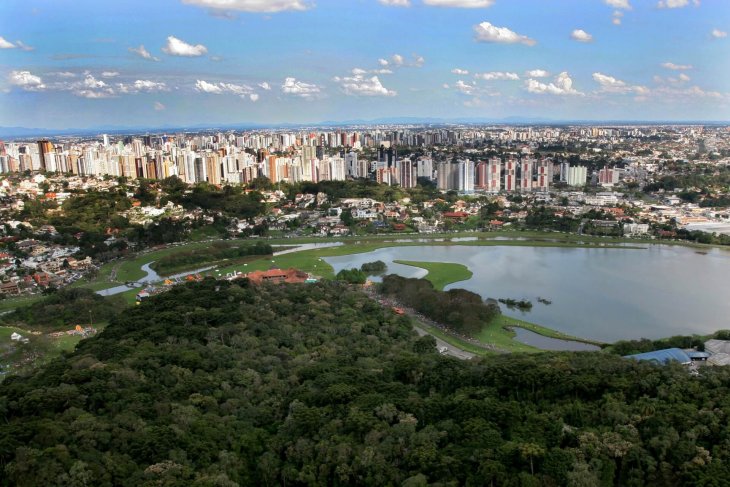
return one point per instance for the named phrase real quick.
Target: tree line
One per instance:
(461, 310)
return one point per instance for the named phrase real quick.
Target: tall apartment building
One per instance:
(577, 176)
(608, 176)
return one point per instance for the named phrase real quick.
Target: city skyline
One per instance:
(197, 62)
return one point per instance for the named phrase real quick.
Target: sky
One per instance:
(149, 63)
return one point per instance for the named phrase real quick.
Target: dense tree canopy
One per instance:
(462, 310)
(218, 384)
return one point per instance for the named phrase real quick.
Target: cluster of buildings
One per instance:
(368, 152)
(36, 265)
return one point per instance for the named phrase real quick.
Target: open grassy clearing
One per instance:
(498, 332)
(12, 303)
(441, 274)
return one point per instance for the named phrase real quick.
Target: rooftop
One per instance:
(663, 356)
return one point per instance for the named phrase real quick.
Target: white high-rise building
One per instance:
(466, 177)
(577, 176)
(424, 167)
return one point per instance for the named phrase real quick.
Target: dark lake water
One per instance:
(600, 294)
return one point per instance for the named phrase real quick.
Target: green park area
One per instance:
(441, 274)
(497, 333)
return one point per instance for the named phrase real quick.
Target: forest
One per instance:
(222, 384)
(459, 309)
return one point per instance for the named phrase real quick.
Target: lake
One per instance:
(599, 294)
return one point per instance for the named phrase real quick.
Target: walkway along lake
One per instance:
(598, 294)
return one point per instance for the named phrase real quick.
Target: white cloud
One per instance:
(537, 73)
(266, 86)
(95, 94)
(142, 85)
(396, 3)
(681, 94)
(240, 90)
(623, 4)
(66, 74)
(581, 36)
(358, 71)
(676, 67)
(262, 6)
(298, 88)
(92, 83)
(109, 74)
(90, 87)
(465, 88)
(461, 72)
(143, 53)
(609, 84)
(607, 81)
(359, 85)
(205, 87)
(617, 15)
(460, 3)
(676, 3)
(159, 106)
(5, 44)
(562, 85)
(24, 47)
(681, 79)
(243, 91)
(486, 32)
(253, 97)
(177, 47)
(398, 61)
(497, 75)
(26, 81)
(718, 34)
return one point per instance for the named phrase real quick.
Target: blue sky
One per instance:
(79, 63)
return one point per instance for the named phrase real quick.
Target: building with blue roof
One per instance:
(663, 356)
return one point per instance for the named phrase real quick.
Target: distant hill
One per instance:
(21, 132)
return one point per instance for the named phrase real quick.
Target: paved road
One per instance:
(450, 349)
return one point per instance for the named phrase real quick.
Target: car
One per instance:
(443, 350)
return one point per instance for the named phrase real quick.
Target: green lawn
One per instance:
(6, 331)
(441, 274)
(12, 303)
(497, 332)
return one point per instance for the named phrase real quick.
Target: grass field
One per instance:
(12, 303)
(498, 333)
(21, 358)
(441, 274)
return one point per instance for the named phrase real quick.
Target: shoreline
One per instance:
(441, 274)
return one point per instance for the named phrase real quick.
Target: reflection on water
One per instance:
(603, 294)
